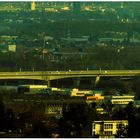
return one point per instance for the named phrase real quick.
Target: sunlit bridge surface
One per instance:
(51, 75)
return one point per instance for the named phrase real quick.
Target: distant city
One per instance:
(47, 33)
(69, 69)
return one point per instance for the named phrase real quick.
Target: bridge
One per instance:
(53, 75)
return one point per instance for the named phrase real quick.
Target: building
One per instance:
(119, 99)
(51, 9)
(33, 6)
(100, 110)
(123, 100)
(108, 128)
(53, 109)
(89, 95)
(83, 39)
(96, 97)
(32, 89)
(12, 48)
(80, 93)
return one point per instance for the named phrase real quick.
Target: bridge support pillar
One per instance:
(97, 80)
(48, 83)
(76, 82)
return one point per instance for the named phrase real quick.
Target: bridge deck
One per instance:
(50, 75)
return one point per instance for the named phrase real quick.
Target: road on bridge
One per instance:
(51, 75)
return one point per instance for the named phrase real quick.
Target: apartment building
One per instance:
(107, 128)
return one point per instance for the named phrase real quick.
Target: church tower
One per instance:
(33, 6)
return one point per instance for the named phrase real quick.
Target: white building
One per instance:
(125, 99)
(12, 48)
(53, 109)
(80, 93)
(107, 129)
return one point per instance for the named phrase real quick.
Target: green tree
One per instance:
(77, 120)
(122, 131)
(133, 121)
(2, 114)
(40, 131)
(10, 117)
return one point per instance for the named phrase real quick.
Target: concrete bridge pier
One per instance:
(97, 79)
(76, 82)
(48, 83)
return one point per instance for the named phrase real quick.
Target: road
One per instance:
(51, 75)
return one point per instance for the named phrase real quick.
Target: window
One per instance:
(108, 132)
(108, 126)
(120, 125)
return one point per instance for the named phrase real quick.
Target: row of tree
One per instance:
(101, 57)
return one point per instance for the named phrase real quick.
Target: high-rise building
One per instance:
(33, 6)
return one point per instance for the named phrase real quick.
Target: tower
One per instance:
(33, 6)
